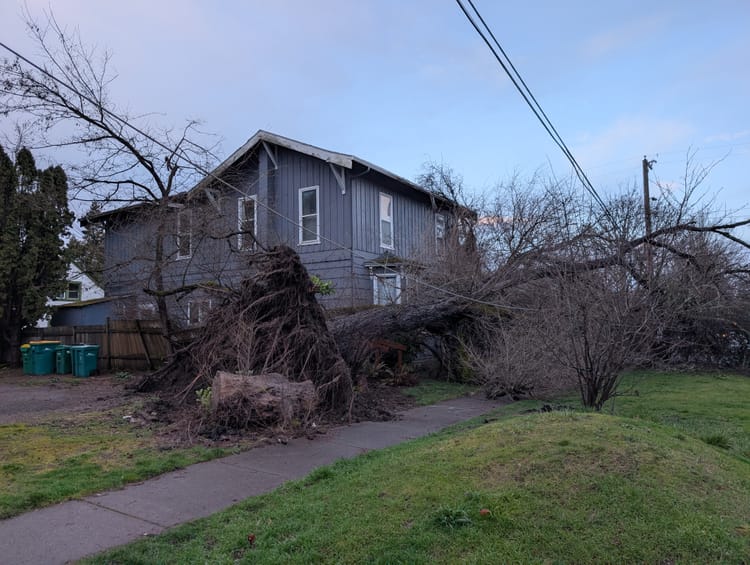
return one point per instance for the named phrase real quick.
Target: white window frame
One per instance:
(180, 234)
(241, 243)
(440, 225)
(464, 229)
(376, 278)
(65, 295)
(203, 307)
(302, 241)
(389, 219)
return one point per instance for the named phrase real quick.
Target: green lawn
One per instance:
(78, 454)
(642, 486)
(430, 391)
(72, 456)
(712, 407)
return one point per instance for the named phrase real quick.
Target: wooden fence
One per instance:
(123, 344)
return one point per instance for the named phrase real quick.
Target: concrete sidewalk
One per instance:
(75, 529)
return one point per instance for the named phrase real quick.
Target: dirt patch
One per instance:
(31, 398)
(185, 423)
(380, 402)
(36, 399)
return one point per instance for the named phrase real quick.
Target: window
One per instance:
(72, 292)
(247, 219)
(439, 229)
(197, 312)
(464, 231)
(184, 234)
(309, 218)
(386, 221)
(386, 289)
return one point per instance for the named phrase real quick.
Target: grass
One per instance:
(70, 457)
(711, 407)
(81, 454)
(561, 487)
(431, 391)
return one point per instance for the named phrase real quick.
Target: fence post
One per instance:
(143, 342)
(108, 340)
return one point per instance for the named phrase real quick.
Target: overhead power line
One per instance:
(510, 69)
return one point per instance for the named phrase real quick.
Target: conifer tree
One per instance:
(33, 221)
(88, 252)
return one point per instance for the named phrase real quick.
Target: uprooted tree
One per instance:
(270, 324)
(540, 290)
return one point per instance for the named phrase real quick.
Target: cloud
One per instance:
(727, 137)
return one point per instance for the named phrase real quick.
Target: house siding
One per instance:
(349, 227)
(412, 222)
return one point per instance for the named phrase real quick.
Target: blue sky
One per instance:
(402, 82)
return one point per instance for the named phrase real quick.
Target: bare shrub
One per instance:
(509, 357)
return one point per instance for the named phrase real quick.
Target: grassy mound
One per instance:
(558, 487)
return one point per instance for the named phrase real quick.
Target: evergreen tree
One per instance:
(88, 253)
(33, 221)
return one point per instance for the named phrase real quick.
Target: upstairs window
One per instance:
(439, 230)
(386, 221)
(72, 292)
(309, 217)
(247, 220)
(184, 234)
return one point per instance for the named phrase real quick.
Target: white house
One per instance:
(79, 288)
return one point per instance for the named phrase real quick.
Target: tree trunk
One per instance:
(355, 332)
(158, 275)
(261, 400)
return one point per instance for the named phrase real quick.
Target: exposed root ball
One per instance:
(271, 324)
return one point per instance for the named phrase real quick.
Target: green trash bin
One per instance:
(63, 364)
(43, 357)
(26, 358)
(84, 359)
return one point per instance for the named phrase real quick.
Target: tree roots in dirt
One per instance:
(271, 324)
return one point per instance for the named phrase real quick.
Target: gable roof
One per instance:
(341, 159)
(263, 137)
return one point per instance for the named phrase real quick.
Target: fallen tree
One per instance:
(272, 323)
(412, 324)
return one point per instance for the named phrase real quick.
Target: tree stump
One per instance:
(246, 401)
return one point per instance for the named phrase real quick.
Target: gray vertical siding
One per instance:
(412, 220)
(349, 228)
(299, 171)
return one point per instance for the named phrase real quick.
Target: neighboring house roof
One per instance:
(89, 293)
(84, 303)
(89, 288)
(263, 137)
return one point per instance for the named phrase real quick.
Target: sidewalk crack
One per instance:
(103, 507)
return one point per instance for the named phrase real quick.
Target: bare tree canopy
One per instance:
(63, 101)
(573, 293)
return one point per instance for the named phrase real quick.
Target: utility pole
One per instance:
(647, 166)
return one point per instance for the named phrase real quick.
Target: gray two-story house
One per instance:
(352, 223)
